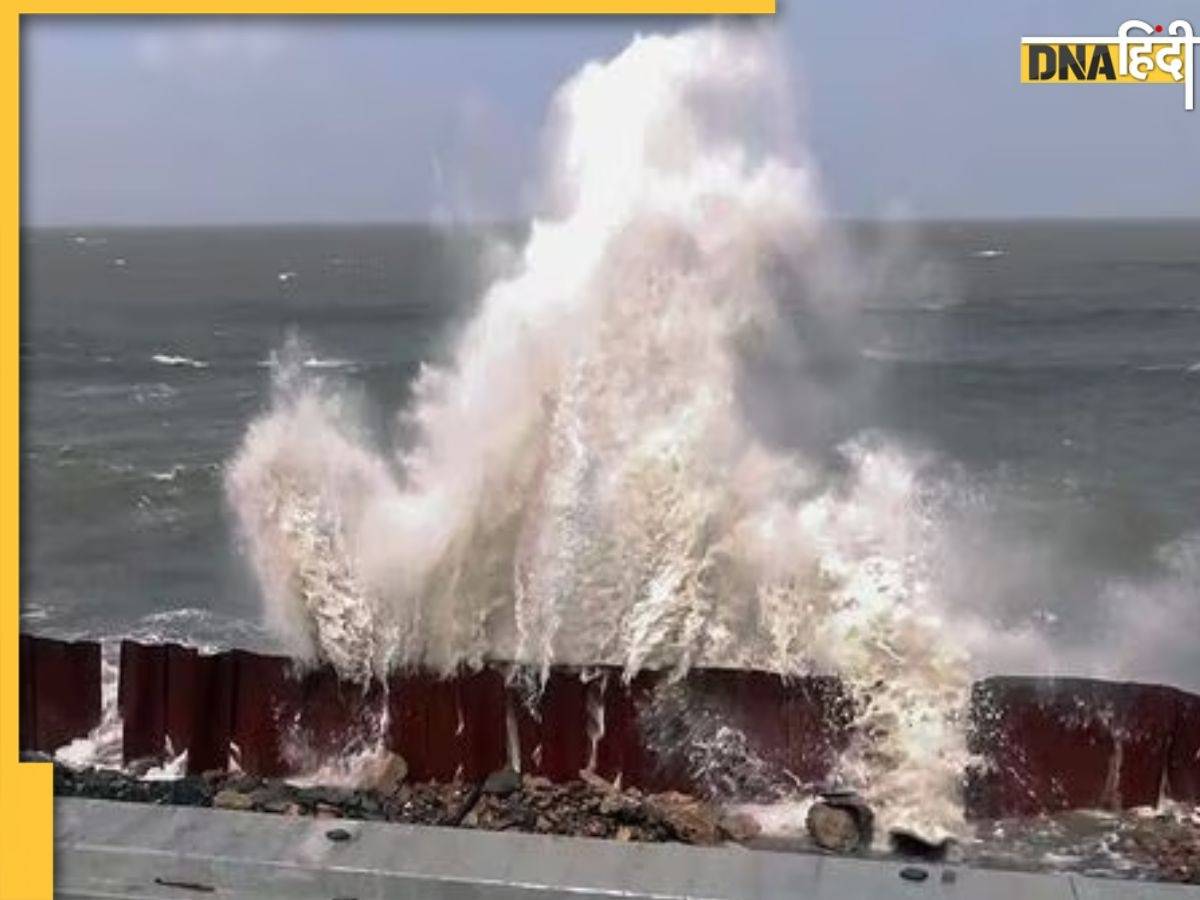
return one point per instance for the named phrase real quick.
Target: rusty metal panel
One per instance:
(479, 741)
(1064, 743)
(745, 734)
(60, 691)
(448, 728)
(142, 699)
(334, 717)
(266, 701)
(1051, 744)
(408, 708)
(1183, 762)
(818, 712)
(27, 714)
(199, 706)
(552, 726)
(755, 705)
(621, 751)
(440, 761)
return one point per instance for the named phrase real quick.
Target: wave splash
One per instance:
(587, 483)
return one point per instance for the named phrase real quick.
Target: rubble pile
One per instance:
(505, 801)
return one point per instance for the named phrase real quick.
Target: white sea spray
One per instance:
(585, 484)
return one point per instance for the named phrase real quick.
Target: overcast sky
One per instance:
(912, 109)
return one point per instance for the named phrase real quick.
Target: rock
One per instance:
(191, 790)
(389, 773)
(596, 783)
(331, 796)
(242, 783)
(864, 818)
(616, 804)
(536, 783)
(230, 799)
(739, 827)
(690, 820)
(271, 794)
(595, 828)
(833, 828)
(502, 782)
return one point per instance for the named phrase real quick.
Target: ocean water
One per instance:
(144, 355)
(1056, 363)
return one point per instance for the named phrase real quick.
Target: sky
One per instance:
(910, 110)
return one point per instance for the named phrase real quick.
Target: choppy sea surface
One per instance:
(1052, 366)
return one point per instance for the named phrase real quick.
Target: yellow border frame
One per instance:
(26, 807)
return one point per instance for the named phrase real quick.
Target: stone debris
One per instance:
(505, 801)
(841, 822)
(1171, 843)
(1159, 845)
(832, 828)
(388, 774)
(740, 827)
(228, 799)
(860, 812)
(502, 782)
(591, 807)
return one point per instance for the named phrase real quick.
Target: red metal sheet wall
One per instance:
(1065, 743)
(1048, 743)
(59, 691)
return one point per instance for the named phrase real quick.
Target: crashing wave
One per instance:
(586, 484)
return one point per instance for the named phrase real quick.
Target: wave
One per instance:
(164, 359)
(311, 362)
(584, 484)
(207, 631)
(1185, 368)
(184, 472)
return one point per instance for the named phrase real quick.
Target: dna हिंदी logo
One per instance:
(1140, 53)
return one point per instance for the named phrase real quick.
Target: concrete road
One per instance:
(110, 850)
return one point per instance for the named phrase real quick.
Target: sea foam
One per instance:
(585, 483)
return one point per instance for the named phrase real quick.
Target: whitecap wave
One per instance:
(185, 362)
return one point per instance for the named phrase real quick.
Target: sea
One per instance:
(1049, 370)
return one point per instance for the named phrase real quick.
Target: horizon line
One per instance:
(524, 221)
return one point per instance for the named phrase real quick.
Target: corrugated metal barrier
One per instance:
(1048, 743)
